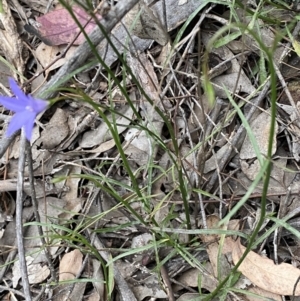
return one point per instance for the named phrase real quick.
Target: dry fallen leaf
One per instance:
(99, 285)
(70, 265)
(37, 272)
(145, 24)
(150, 287)
(11, 42)
(102, 133)
(260, 292)
(191, 277)
(188, 296)
(47, 54)
(228, 246)
(50, 209)
(260, 127)
(212, 246)
(58, 27)
(234, 76)
(289, 113)
(278, 279)
(56, 130)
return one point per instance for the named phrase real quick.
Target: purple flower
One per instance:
(26, 108)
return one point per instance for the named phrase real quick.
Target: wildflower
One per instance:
(26, 108)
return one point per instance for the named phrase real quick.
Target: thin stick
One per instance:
(12, 291)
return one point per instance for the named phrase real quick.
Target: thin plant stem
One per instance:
(19, 221)
(36, 212)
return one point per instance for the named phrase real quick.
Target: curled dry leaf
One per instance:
(58, 27)
(278, 279)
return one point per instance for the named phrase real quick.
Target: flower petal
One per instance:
(12, 103)
(17, 121)
(17, 91)
(37, 105)
(29, 126)
(26, 108)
